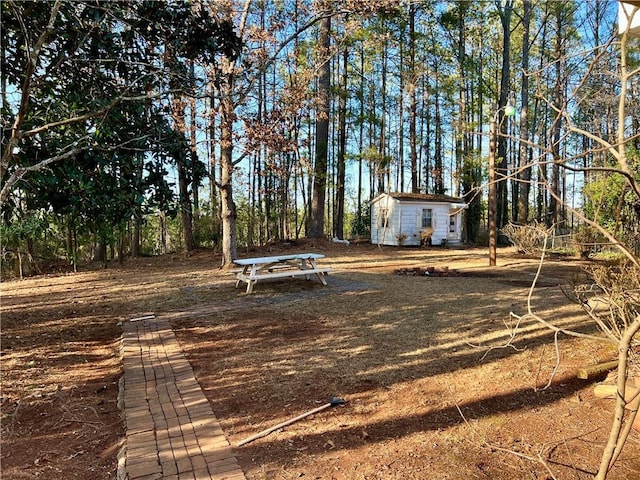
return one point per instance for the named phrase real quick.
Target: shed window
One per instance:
(427, 216)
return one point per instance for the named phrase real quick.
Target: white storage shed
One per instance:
(415, 219)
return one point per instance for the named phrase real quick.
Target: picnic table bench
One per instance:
(280, 266)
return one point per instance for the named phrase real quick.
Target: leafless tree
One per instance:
(612, 301)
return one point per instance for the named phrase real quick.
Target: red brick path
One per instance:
(172, 432)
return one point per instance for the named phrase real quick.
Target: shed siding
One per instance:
(381, 234)
(409, 225)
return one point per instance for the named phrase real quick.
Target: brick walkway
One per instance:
(172, 432)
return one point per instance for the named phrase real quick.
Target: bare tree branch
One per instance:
(20, 172)
(32, 63)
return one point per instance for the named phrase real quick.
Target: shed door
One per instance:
(452, 232)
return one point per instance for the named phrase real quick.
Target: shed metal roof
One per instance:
(421, 197)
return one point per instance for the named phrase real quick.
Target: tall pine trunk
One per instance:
(412, 87)
(195, 167)
(316, 221)
(524, 186)
(504, 9)
(342, 147)
(178, 105)
(438, 165)
(556, 129)
(227, 205)
(186, 214)
(213, 167)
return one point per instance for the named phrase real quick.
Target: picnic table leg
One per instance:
(306, 264)
(320, 275)
(244, 271)
(250, 282)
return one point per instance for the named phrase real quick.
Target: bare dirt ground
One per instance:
(425, 395)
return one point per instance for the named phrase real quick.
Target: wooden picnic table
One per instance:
(279, 266)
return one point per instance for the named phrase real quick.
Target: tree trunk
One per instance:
(178, 105)
(385, 167)
(554, 187)
(316, 222)
(426, 132)
(136, 237)
(70, 244)
(185, 203)
(412, 87)
(138, 216)
(505, 9)
(120, 246)
(461, 154)
(402, 75)
(227, 204)
(100, 252)
(213, 166)
(474, 216)
(523, 155)
(438, 165)
(196, 176)
(359, 218)
(342, 146)
(162, 218)
(463, 151)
